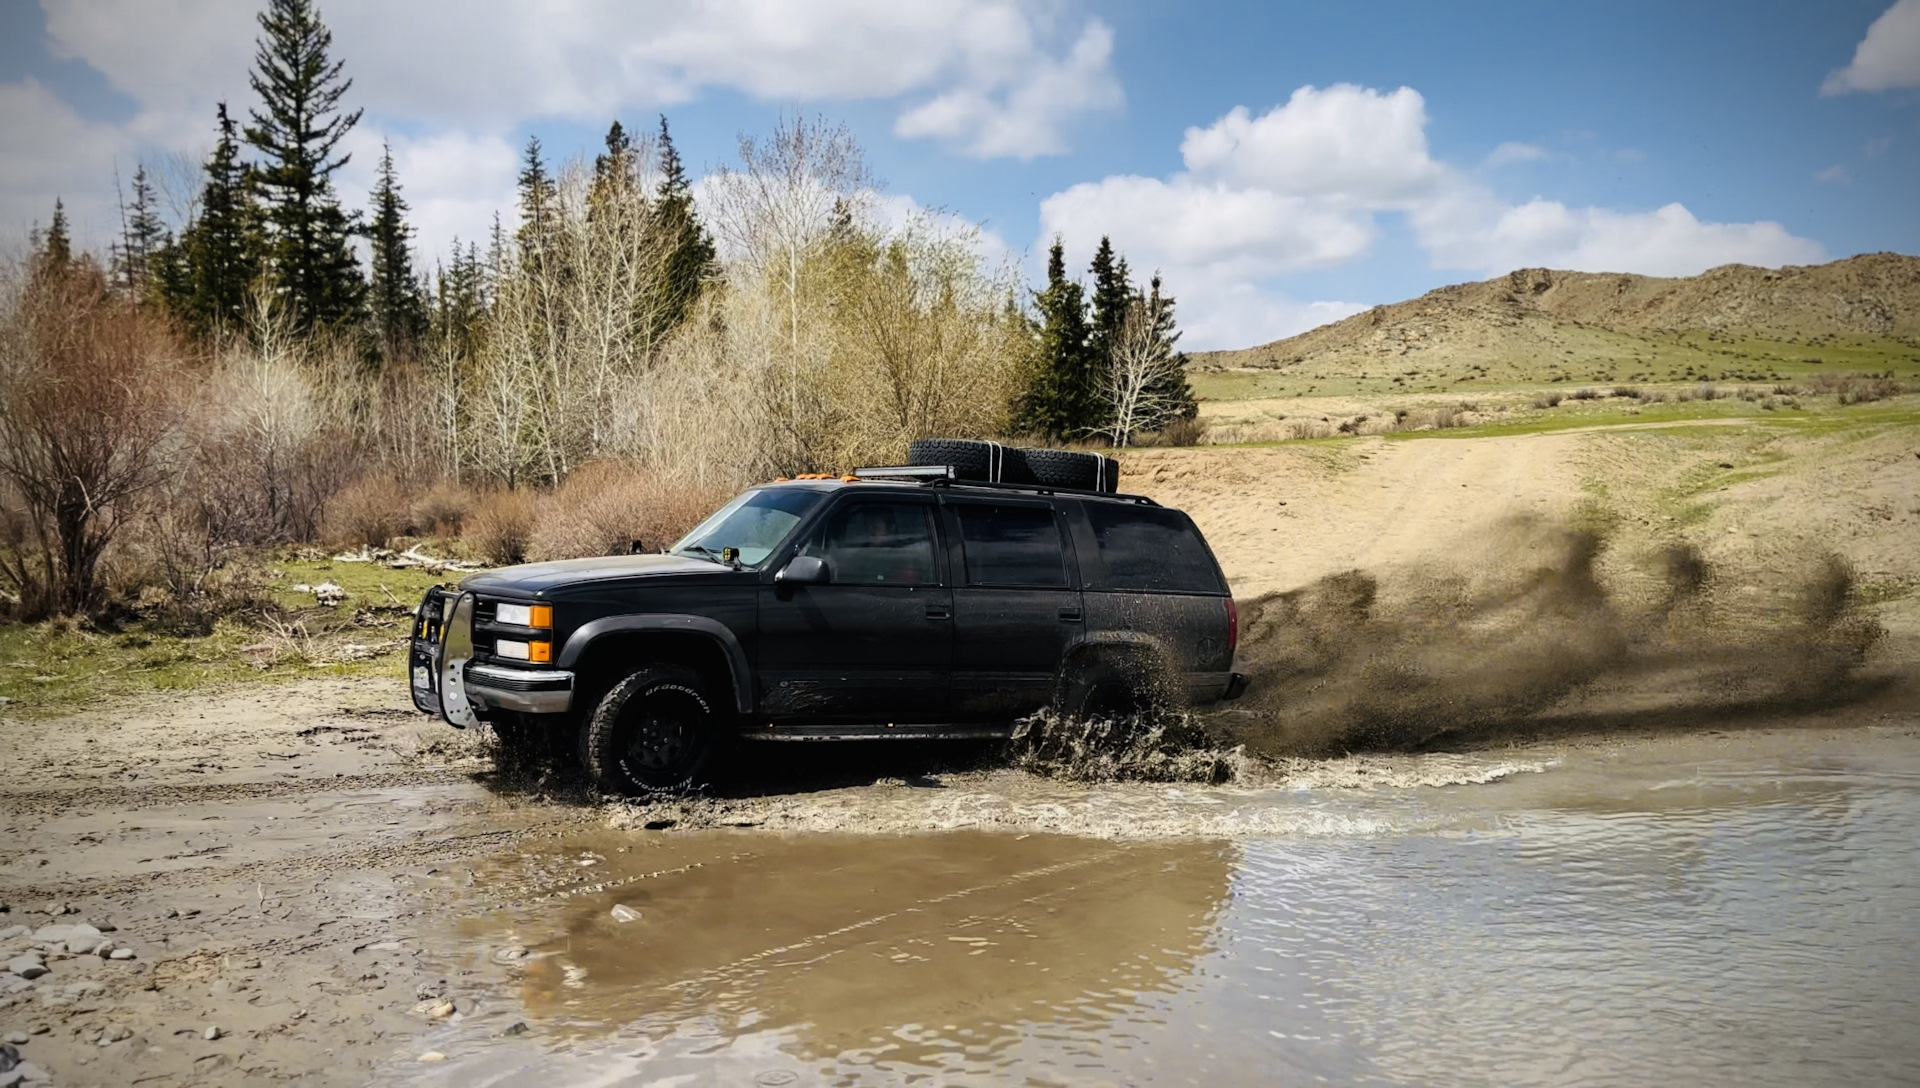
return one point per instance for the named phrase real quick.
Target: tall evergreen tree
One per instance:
(212, 268)
(1055, 402)
(1172, 390)
(395, 305)
(143, 238)
(539, 202)
(296, 133)
(53, 251)
(690, 257)
(1112, 294)
(460, 301)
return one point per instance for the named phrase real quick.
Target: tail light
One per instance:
(1233, 626)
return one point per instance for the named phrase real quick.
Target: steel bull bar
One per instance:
(447, 683)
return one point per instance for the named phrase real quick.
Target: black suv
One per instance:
(899, 603)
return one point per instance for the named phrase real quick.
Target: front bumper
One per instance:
(490, 687)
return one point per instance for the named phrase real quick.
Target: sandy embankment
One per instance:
(273, 856)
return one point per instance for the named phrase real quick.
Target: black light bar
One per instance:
(906, 472)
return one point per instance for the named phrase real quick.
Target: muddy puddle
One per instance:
(1703, 909)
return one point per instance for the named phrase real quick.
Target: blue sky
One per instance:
(1282, 164)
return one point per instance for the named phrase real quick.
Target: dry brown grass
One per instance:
(612, 507)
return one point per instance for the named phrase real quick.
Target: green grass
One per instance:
(56, 665)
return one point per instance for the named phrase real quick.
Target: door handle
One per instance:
(939, 612)
(1069, 615)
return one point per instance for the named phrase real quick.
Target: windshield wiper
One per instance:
(709, 553)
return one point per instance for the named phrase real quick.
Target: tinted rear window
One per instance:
(1149, 548)
(1011, 545)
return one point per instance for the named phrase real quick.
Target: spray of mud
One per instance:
(1519, 634)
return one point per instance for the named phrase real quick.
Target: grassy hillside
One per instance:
(1537, 326)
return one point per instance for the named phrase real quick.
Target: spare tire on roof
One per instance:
(971, 460)
(1071, 468)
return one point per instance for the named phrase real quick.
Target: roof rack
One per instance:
(946, 476)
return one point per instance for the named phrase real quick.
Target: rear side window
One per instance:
(1011, 545)
(1151, 548)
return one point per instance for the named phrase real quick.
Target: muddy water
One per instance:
(1704, 910)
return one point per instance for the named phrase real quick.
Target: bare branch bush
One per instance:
(87, 410)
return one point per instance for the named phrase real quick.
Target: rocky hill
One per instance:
(1536, 320)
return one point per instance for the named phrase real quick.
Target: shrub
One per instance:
(1631, 392)
(369, 512)
(500, 526)
(1546, 400)
(1584, 394)
(1183, 432)
(443, 508)
(89, 399)
(612, 507)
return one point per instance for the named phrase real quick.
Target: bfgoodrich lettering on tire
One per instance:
(654, 732)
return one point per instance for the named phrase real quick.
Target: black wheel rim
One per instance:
(663, 734)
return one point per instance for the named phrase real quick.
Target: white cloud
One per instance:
(33, 119)
(1835, 173)
(453, 181)
(1512, 152)
(1187, 224)
(1023, 118)
(1887, 58)
(1303, 185)
(1668, 241)
(1002, 77)
(1346, 141)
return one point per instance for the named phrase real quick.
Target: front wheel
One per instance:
(655, 732)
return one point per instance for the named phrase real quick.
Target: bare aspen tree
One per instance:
(1136, 384)
(774, 218)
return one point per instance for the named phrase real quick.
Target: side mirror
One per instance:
(803, 570)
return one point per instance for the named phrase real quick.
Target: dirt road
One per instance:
(267, 857)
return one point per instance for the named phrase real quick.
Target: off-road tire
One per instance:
(971, 459)
(1103, 685)
(1071, 468)
(655, 731)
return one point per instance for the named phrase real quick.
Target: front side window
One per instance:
(878, 543)
(1009, 545)
(755, 522)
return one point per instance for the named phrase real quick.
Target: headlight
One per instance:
(524, 615)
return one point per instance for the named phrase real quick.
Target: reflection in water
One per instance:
(930, 952)
(1686, 911)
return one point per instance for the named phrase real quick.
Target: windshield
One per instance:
(755, 522)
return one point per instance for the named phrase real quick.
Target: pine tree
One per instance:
(1112, 295)
(460, 301)
(297, 131)
(1058, 389)
(219, 257)
(53, 250)
(539, 202)
(690, 258)
(395, 305)
(143, 237)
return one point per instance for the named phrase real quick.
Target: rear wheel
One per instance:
(1102, 687)
(655, 731)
